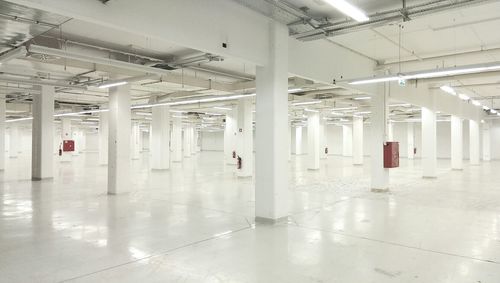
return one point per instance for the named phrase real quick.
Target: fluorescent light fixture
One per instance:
(214, 114)
(493, 111)
(337, 114)
(311, 110)
(112, 84)
(444, 72)
(475, 102)
(292, 90)
(453, 71)
(222, 108)
(463, 96)
(363, 112)
(374, 80)
(344, 120)
(486, 108)
(362, 98)
(344, 108)
(178, 111)
(498, 114)
(88, 123)
(19, 119)
(400, 105)
(144, 113)
(448, 90)
(194, 101)
(348, 9)
(306, 103)
(178, 116)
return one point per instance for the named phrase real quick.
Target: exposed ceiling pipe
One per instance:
(13, 54)
(39, 82)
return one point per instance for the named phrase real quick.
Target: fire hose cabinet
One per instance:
(68, 145)
(391, 155)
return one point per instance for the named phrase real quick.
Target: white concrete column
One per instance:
(322, 139)
(194, 140)
(474, 142)
(410, 137)
(289, 135)
(271, 176)
(186, 139)
(103, 137)
(298, 140)
(2, 133)
(357, 140)
(66, 134)
(456, 143)
(42, 142)
(346, 140)
(429, 157)
(230, 131)
(119, 180)
(390, 131)
(244, 137)
(161, 138)
(197, 139)
(140, 141)
(177, 139)
(313, 141)
(14, 140)
(379, 174)
(151, 139)
(76, 136)
(486, 141)
(134, 141)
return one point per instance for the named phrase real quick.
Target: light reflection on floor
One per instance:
(194, 223)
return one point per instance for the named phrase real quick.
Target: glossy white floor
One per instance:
(194, 223)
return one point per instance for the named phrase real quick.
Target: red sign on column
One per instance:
(68, 145)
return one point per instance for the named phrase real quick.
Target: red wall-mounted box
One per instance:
(68, 145)
(391, 155)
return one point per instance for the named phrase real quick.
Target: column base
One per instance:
(429, 177)
(377, 190)
(312, 169)
(270, 221)
(41, 179)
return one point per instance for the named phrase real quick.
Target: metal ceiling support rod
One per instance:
(25, 20)
(384, 18)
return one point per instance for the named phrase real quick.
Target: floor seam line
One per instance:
(399, 245)
(155, 255)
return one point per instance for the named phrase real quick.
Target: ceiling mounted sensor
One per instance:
(349, 10)
(104, 1)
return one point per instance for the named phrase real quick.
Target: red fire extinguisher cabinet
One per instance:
(68, 145)
(391, 155)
